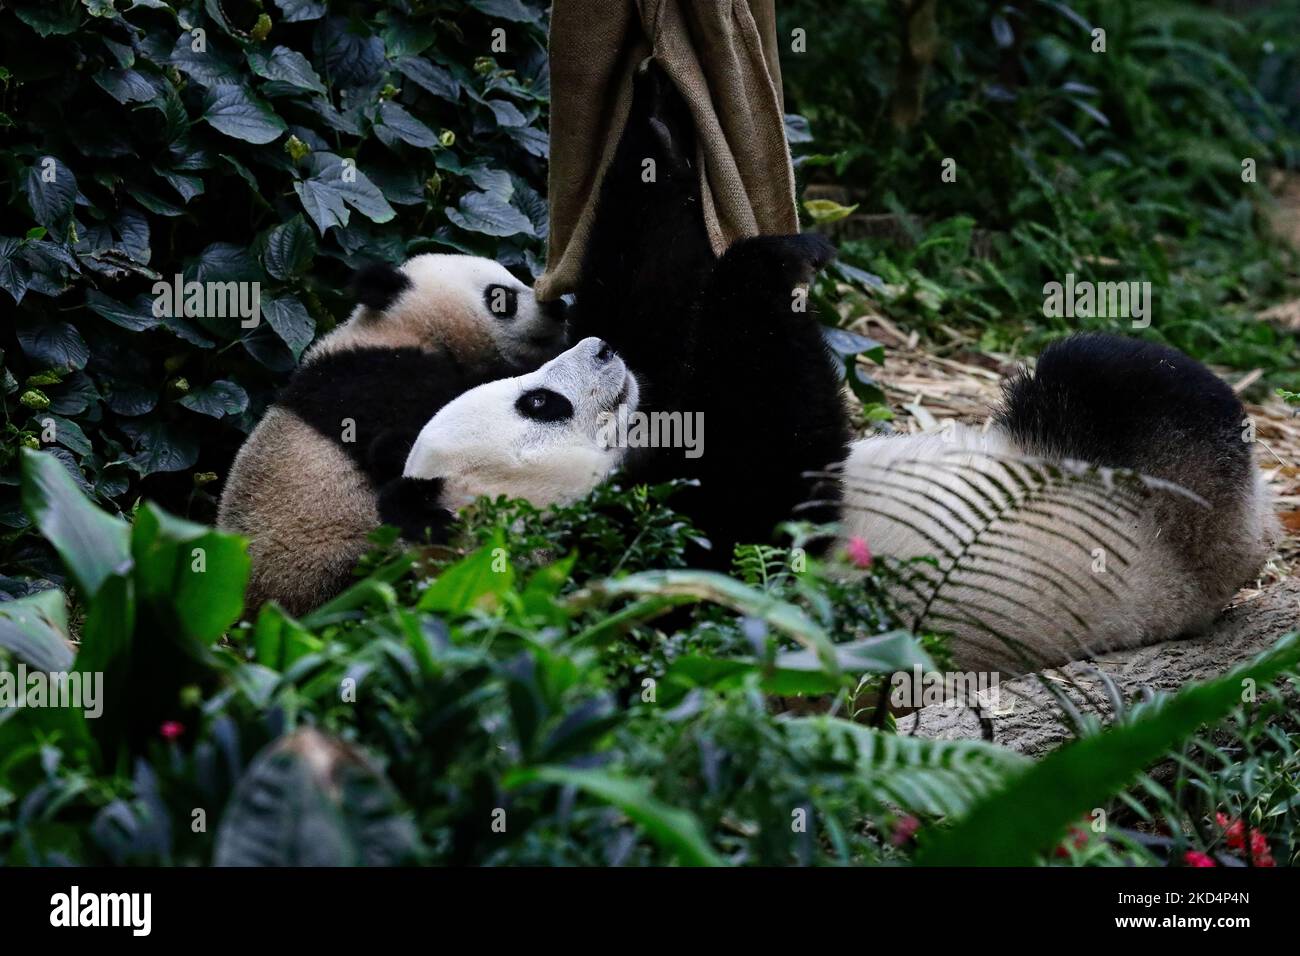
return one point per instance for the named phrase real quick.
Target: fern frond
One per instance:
(1013, 538)
(916, 774)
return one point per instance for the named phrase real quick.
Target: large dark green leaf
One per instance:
(92, 544)
(286, 66)
(290, 320)
(52, 193)
(290, 248)
(490, 215)
(677, 831)
(335, 185)
(296, 11)
(516, 10)
(125, 86)
(396, 124)
(50, 17)
(241, 115)
(217, 399)
(35, 629)
(135, 317)
(311, 800)
(15, 273)
(209, 66)
(160, 447)
(435, 79)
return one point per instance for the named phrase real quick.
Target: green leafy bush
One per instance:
(556, 687)
(1123, 164)
(279, 143)
(482, 707)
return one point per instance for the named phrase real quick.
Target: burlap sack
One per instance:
(722, 55)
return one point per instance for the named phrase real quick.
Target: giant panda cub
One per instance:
(1032, 550)
(303, 487)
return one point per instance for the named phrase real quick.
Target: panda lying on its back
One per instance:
(1019, 593)
(732, 340)
(539, 437)
(303, 486)
(721, 337)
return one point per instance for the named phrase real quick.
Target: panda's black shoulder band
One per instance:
(378, 285)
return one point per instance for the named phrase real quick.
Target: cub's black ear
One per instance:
(378, 285)
(413, 506)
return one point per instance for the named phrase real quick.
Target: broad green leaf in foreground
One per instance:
(197, 572)
(728, 592)
(1032, 812)
(475, 582)
(91, 543)
(35, 629)
(311, 800)
(673, 829)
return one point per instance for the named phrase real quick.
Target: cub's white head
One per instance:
(544, 436)
(470, 306)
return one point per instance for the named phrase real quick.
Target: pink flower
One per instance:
(171, 729)
(1198, 859)
(859, 553)
(904, 830)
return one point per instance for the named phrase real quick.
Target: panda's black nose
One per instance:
(606, 353)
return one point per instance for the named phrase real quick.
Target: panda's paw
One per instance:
(657, 103)
(788, 261)
(413, 506)
(386, 456)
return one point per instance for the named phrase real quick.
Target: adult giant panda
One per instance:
(1043, 555)
(303, 487)
(1039, 559)
(729, 339)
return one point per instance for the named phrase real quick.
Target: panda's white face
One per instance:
(540, 436)
(470, 306)
(521, 330)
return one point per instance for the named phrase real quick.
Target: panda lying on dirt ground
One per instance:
(665, 325)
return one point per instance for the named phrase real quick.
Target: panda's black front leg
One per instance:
(763, 372)
(413, 506)
(648, 252)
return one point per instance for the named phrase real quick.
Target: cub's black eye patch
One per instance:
(501, 301)
(543, 405)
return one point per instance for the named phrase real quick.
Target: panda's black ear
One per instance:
(378, 285)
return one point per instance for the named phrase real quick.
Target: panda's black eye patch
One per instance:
(543, 405)
(502, 301)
